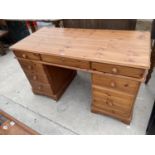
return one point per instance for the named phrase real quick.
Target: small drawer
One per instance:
(27, 55)
(31, 67)
(113, 100)
(116, 83)
(66, 61)
(42, 89)
(37, 78)
(118, 70)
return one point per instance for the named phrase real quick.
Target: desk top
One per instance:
(127, 48)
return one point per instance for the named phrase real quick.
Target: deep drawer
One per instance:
(112, 99)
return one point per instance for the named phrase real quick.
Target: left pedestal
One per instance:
(46, 80)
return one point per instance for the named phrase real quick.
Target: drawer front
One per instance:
(42, 89)
(116, 83)
(111, 112)
(37, 78)
(118, 70)
(112, 100)
(66, 61)
(34, 71)
(31, 67)
(27, 55)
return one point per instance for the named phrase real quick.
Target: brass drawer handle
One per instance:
(34, 77)
(113, 84)
(113, 111)
(24, 55)
(114, 70)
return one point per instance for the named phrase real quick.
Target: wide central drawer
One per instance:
(116, 83)
(118, 70)
(66, 61)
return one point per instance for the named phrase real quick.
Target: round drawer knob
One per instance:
(29, 67)
(113, 84)
(110, 103)
(34, 77)
(63, 59)
(39, 87)
(114, 70)
(24, 55)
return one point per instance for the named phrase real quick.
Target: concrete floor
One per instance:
(71, 114)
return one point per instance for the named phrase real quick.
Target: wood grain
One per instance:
(46, 80)
(27, 55)
(119, 84)
(118, 61)
(118, 70)
(66, 61)
(127, 48)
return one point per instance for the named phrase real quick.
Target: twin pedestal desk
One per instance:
(117, 60)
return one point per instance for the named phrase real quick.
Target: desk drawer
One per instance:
(119, 100)
(34, 71)
(116, 83)
(118, 70)
(66, 61)
(31, 67)
(27, 55)
(111, 112)
(112, 100)
(42, 78)
(44, 89)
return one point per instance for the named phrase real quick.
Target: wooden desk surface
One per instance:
(127, 48)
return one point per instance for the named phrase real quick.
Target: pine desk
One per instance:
(117, 60)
